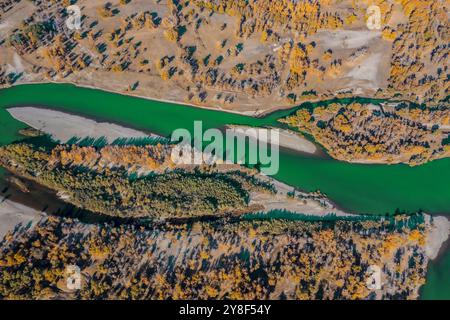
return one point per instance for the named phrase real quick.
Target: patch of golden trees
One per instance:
(214, 260)
(357, 132)
(107, 181)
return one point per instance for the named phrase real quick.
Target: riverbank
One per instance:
(289, 199)
(13, 213)
(287, 139)
(437, 285)
(64, 127)
(256, 113)
(439, 234)
(287, 107)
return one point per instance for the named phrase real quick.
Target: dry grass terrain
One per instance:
(241, 56)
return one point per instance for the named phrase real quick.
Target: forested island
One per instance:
(372, 133)
(106, 180)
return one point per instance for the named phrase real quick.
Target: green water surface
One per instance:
(437, 286)
(368, 189)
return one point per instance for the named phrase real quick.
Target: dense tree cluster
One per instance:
(33, 36)
(109, 188)
(144, 159)
(366, 132)
(276, 259)
(420, 43)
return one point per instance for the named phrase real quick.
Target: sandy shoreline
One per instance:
(295, 201)
(439, 234)
(287, 139)
(13, 213)
(254, 114)
(64, 126)
(260, 113)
